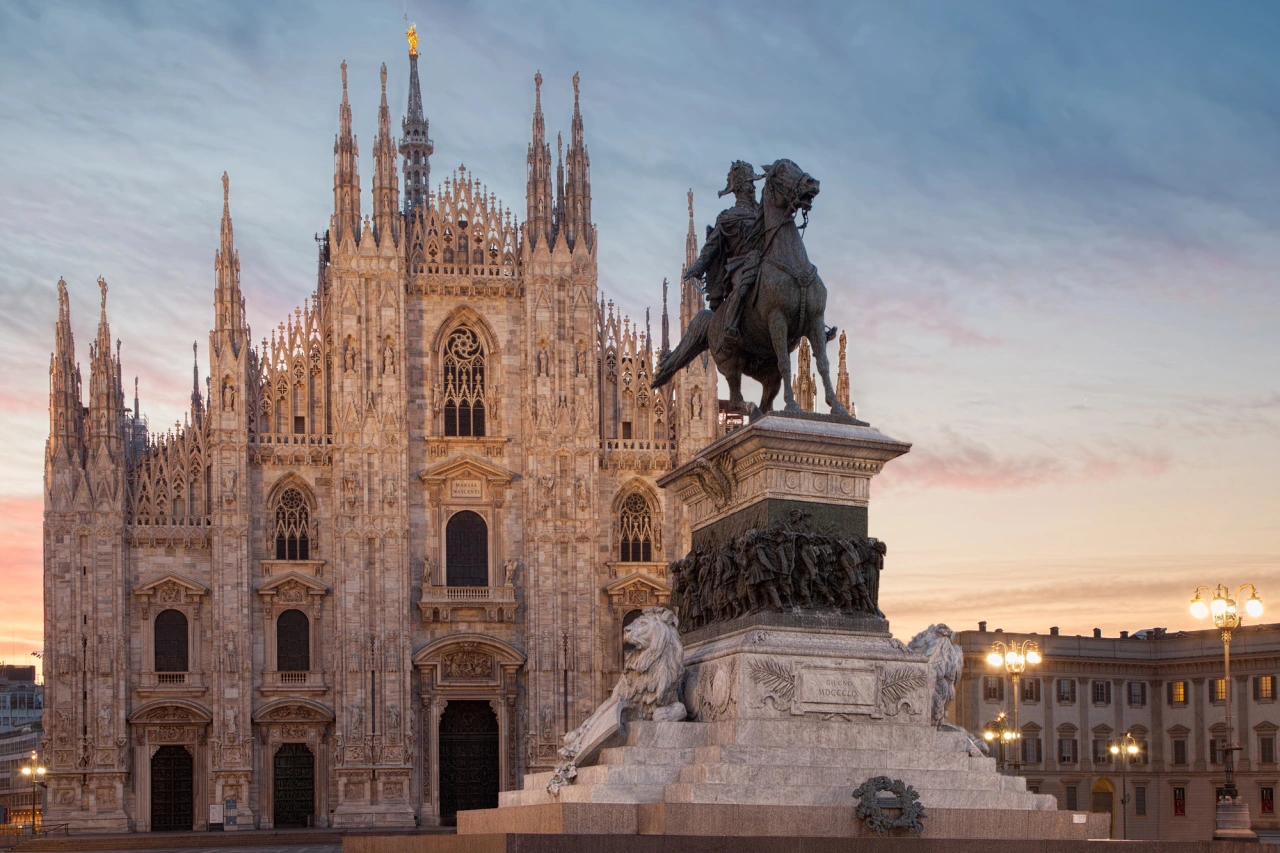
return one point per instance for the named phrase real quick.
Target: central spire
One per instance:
(386, 189)
(416, 146)
(540, 221)
(577, 192)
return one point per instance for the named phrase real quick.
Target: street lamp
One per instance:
(1124, 748)
(34, 771)
(998, 731)
(1015, 657)
(1232, 817)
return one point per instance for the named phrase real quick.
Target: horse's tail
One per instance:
(692, 345)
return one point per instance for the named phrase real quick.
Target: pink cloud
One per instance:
(970, 466)
(21, 607)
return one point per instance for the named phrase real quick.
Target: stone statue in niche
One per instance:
(228, 395)
(580, 491)
(547, 489)
(509, 571)
(388, 359)
(349, 356)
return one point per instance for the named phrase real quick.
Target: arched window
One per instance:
(292, 526)
(467, 550)
(464, 384)
(293, 642)
(171, 641)
(636, 530)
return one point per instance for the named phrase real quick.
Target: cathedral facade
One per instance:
(385, 563)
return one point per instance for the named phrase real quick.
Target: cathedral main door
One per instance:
(172, 790)
(294, 786)
(468, 759)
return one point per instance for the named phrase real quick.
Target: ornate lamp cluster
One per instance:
(34, 771)
(1015, 657)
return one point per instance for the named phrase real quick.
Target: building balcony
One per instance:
(488, 603)
(169, 684)
(293, 683)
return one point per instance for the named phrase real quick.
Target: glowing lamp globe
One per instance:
(994, 659)
(1132, 748)
(1219, 606)
(1198, 608)
(1253, 607)
(1033, 657)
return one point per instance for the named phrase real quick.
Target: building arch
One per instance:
(637, 524)
(292, 526)
(172, 638)
(466, 549)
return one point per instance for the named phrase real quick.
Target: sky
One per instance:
(1051, 229)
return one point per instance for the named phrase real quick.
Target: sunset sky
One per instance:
(1051, 229)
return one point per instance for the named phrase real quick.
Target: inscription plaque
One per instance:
(465, 489)
(836, 690)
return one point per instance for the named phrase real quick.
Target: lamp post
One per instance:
(998, 731)
(1233, 816)
(1124, 748)
(1015, 657)
(34, 771)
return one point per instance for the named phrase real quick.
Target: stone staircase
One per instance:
(802, 762)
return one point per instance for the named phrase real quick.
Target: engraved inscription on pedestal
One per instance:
(836, 690)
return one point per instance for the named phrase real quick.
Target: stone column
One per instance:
(1198, 699)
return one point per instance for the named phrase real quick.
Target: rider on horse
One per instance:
(730, 259)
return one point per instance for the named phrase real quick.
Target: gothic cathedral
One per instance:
(386, 562)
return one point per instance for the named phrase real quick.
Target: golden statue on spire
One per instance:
(412, 35)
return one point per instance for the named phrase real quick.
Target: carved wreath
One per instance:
(870, 807)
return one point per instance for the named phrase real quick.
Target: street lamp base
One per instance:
(1233, 821)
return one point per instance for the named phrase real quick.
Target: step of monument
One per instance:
(836, 757)
(827, 734)
(851, 776)
(629, 774)
(645, 755)
(583, 792)
(682, 735)
(842, 795)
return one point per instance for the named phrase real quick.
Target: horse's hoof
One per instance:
(839, 409)
(793, 408)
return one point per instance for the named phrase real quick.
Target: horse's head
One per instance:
(789, 187)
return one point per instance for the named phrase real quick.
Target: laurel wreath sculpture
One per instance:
(870, 807)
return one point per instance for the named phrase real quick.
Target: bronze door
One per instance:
(468, 759)
(172, 790)
(294, 786)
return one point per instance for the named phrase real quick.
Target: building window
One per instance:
(1068, 750)
(1102, 692)
(1268, 799)
(626, 430)
(1217, 750)
(1264, 688)
(636, 530)
(464, 384)
(1140, 801)
(1066, 691)
(1219, 693)
(171, 641)
(1177, 691)
(1179, 802)
(1101, 751)
(1030, 690)
(993, 688)
(467, 550)
(1141, 757)
(1137, 694)
(1267, 749)
(293, 642)
(1179, 751)
(1032, 750)
(292, 528)
(1071, 798)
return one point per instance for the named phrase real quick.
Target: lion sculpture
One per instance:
(937, 643)
(945, 662)
(649, 689)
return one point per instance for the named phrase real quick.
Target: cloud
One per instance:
(962, 463)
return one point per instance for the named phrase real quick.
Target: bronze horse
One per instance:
(788, 302)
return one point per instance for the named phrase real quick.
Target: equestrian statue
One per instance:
(764, 294)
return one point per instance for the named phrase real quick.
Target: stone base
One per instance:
(736, 821)
(398, 816)
(1232, 822)
(535, 843)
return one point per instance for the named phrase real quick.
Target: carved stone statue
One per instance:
(652, 670)
(787, 302)
(945, 660)
(509, 571)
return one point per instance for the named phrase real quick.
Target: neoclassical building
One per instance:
(386, 562)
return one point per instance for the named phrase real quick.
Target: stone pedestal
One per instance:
(1232, 821)
(791, 706)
